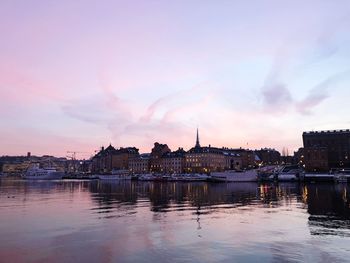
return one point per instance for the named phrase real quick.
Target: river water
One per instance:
(94, 221)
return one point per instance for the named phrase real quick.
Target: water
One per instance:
(91, 221)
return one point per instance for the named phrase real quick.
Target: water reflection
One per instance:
(150, 220)
(326, 203)
(329, 209)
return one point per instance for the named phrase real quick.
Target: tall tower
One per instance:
(197, 141)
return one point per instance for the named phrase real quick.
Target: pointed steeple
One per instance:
(197, 141)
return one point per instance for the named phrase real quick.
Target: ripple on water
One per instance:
(177, 222)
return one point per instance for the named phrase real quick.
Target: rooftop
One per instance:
(344, 131)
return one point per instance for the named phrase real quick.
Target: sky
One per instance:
(77, 75)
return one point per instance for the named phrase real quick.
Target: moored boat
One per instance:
(36, 173)
(342, 176)
(235, 176)
(113, 177)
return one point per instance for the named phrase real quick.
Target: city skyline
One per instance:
(76, 76)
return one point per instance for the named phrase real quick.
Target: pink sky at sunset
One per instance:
(76, 75)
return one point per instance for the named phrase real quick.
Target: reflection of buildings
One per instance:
(335, 143)
(329, 208)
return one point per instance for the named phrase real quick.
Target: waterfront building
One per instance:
(313, 159)
(336, 142)
(156, 162)
(110, 159)
(268, 156)
(17, 165)
(248, 158)
(140, 164)
(122, 157)
(204, 159)
(16, 168)
(174, 162)
(233, 160)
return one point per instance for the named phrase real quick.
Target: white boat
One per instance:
(288, 173)
(113, 176)
(36, 173)
(189, 177)
(146, 177)
(235, 176)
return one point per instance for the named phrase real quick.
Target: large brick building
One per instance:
(110, 159)
(313, 159)
(156, 158)
(336, 144)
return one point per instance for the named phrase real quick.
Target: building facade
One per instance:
(268, 156)
(109, 159)
(336, 142)
(174, 162)
(156, 158)
(313, 159)
(140, 164)
(233, 160)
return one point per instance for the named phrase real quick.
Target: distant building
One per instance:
(110, 159)
(156, 163)
(15, 168)
(174, 162)
(313, 159)
(17, 165)
(140, 164)
(336, 143)
(204, 159)
(248, 158)
(268, 156)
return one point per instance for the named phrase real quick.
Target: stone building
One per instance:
(204, 159)
(336, 142)
(233, 160)
(156, 162)
(174, 162)
(140, 164)
(247, 158)
(120, 160)
(268, 156)
(110, 159)
(313, 159)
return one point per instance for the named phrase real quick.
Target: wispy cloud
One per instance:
(319, 93)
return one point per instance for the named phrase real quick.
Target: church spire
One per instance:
(197, 141)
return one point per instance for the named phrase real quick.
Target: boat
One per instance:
(115, 175)
(146, 177)
(196, 177)
(318, 177)
(342, 176)
(36, 173)
(266, 173)
(288, 173)
(235, 176)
